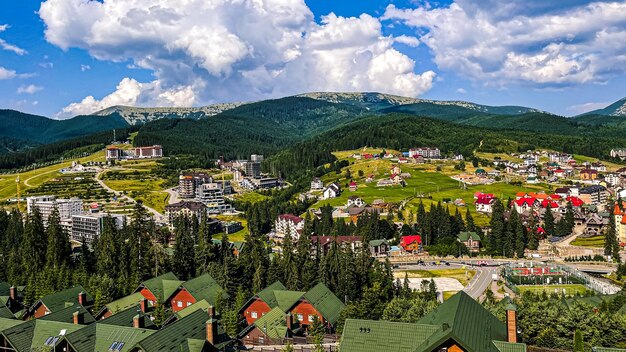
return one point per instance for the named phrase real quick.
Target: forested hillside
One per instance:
(25, 130)
(263, 128)
(401, 131)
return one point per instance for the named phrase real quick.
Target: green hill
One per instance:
(30, 130)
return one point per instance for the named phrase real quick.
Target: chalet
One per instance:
(379, 248)
(123, 304)
(331, 191)
(418, 159)
(352, 186)
(354, 201)
(203, 287)
(317, 184)
(384, 183)
(325, 242)
(524, 204)
(265, 300)
(159, 289)
(560, 173)
(197, 332)
(588, 174)
(270, 329)
(10, 300)
(34, 334)
(317, 303)
(403, 160)
(411, 244)
(59, 300)
(460, 324)
(484, 202)
(288, 224)
(575, 201)
(395, 169)
(595, 225)
(598, 166)
(480, 172)
(549, 203)
(396, 179)
(471, 240)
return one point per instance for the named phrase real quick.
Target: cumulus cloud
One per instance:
(29, 89)
(6, 73)
(407, 40)
(232, 49)
(10, 47)
(531, 41)
(84, 68)
(129, 92)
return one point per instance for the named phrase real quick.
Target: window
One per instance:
(120, 346)
(48, 340)
(179, 304)
(300, 317)
(113, 346)
(188, 304)
(311, 318)
(254, 315)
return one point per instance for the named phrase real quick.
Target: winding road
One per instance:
(157, 216)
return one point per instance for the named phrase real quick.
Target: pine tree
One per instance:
(184, 250)
(138, 234)
(579, 345)
(548, 222)
(33, 246)
(58, 249)
(611, 246)
(469, 222)
(107, 250)
(494, 243)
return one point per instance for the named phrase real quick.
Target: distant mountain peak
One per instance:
(140, 115)
(616, 109)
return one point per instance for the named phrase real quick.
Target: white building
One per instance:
(317, 184)
(46, 204)
(90, 226)
(288, 223)
(425, 152)
(618, 153)
(332, 191)
(354, 201)
(212, 196)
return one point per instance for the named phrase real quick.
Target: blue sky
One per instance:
(60, 58)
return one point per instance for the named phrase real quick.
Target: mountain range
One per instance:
(236, 129)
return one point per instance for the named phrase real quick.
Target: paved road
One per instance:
(481, 281)
(173, 195)
(157, 216)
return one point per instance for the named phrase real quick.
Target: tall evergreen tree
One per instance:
(611, 245)
(548, 222)
(58, 249)
(184, 249)
(33, 246)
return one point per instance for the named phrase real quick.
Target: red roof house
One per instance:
(411, 243)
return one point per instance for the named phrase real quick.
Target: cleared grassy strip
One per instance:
(462, 275)
(569, 290)
(595, 241)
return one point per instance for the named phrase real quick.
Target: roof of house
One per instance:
(325, 302)
(375, 243)
(290, 217)
(503, 346)
(464, 236)
(126, 316)
(267, 294)
(608, 349)
(525, 201)
(460, 315)
(122, 303)
(66, 315)
(177, 336)
(380, 335)
(407, 240)
(102, 337)
(191, 205)
(286, 299)
(200, 305)
(204, 287)
(33, 334)
(273, 324)
(162, 286)
(339, 239)
(60, 300)
(546, 202)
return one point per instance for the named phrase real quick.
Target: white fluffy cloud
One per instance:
(29, 89)
(129, 92)
(532, 41)
(6, 73)
(227, 50)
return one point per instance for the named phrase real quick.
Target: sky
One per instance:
(61, 58)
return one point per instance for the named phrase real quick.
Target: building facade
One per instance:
(88, 227)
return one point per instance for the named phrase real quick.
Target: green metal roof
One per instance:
(4, 288)
(125, 318)
(6, 313)
(100, 337)
(273, 324)
(325, 302)
(464, 236)
(204, 287)
(176, 336)
(503, 346)
(200, 305)
(9, 323)
(66, 315)
(471, 325)
(32, 335)
(380, 335)
(374, 243)
(286, 299)
(162, 286)
(123, 303)
(61, 299)
(608, 349)
(267, 294)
